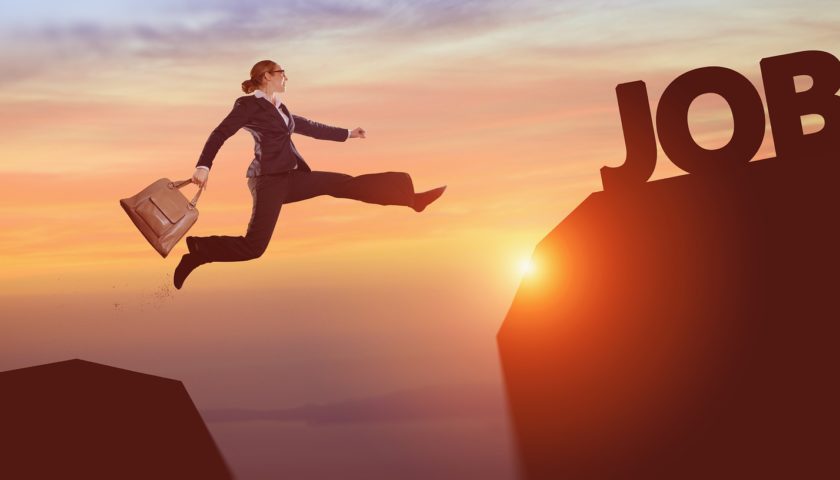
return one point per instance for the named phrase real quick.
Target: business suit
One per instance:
(278, 174)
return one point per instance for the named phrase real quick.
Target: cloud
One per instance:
(197, 23)
(194, 28)
(432, 402)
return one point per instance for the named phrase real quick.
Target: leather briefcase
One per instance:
(162, 213)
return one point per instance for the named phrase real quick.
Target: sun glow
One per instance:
(526, 267)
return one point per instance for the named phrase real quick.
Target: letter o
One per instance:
(747, 114)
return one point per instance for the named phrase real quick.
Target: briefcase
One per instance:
(162, 213)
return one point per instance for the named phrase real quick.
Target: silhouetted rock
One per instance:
(685, 328)
(81, 420)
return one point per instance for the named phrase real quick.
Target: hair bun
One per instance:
(258, 72)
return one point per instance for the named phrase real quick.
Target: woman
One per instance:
(278, 174)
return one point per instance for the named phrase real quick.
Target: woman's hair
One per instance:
(257, 72)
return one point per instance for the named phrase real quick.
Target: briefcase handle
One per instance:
(184, 182)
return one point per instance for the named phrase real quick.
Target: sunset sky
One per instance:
(511, 104)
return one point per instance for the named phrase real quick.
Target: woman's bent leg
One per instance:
(269, 193)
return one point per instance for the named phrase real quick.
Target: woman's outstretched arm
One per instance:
(311, 128)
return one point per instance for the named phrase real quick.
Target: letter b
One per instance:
(786, 106)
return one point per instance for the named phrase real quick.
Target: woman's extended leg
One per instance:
(386, 188)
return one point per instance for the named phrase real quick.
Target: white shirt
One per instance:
(276, 101)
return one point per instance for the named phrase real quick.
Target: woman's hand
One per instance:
(357, 132)
(200, 177)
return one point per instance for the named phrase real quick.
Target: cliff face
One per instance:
(78, 419)
(684, 328)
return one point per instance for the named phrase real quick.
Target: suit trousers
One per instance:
(271, 192)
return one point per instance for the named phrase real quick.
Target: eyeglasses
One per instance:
(281, 71)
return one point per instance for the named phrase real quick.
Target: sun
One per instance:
(526, 267)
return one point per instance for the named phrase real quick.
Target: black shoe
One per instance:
(188, 263)
(421, 200)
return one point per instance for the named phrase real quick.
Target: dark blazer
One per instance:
(274, 151)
